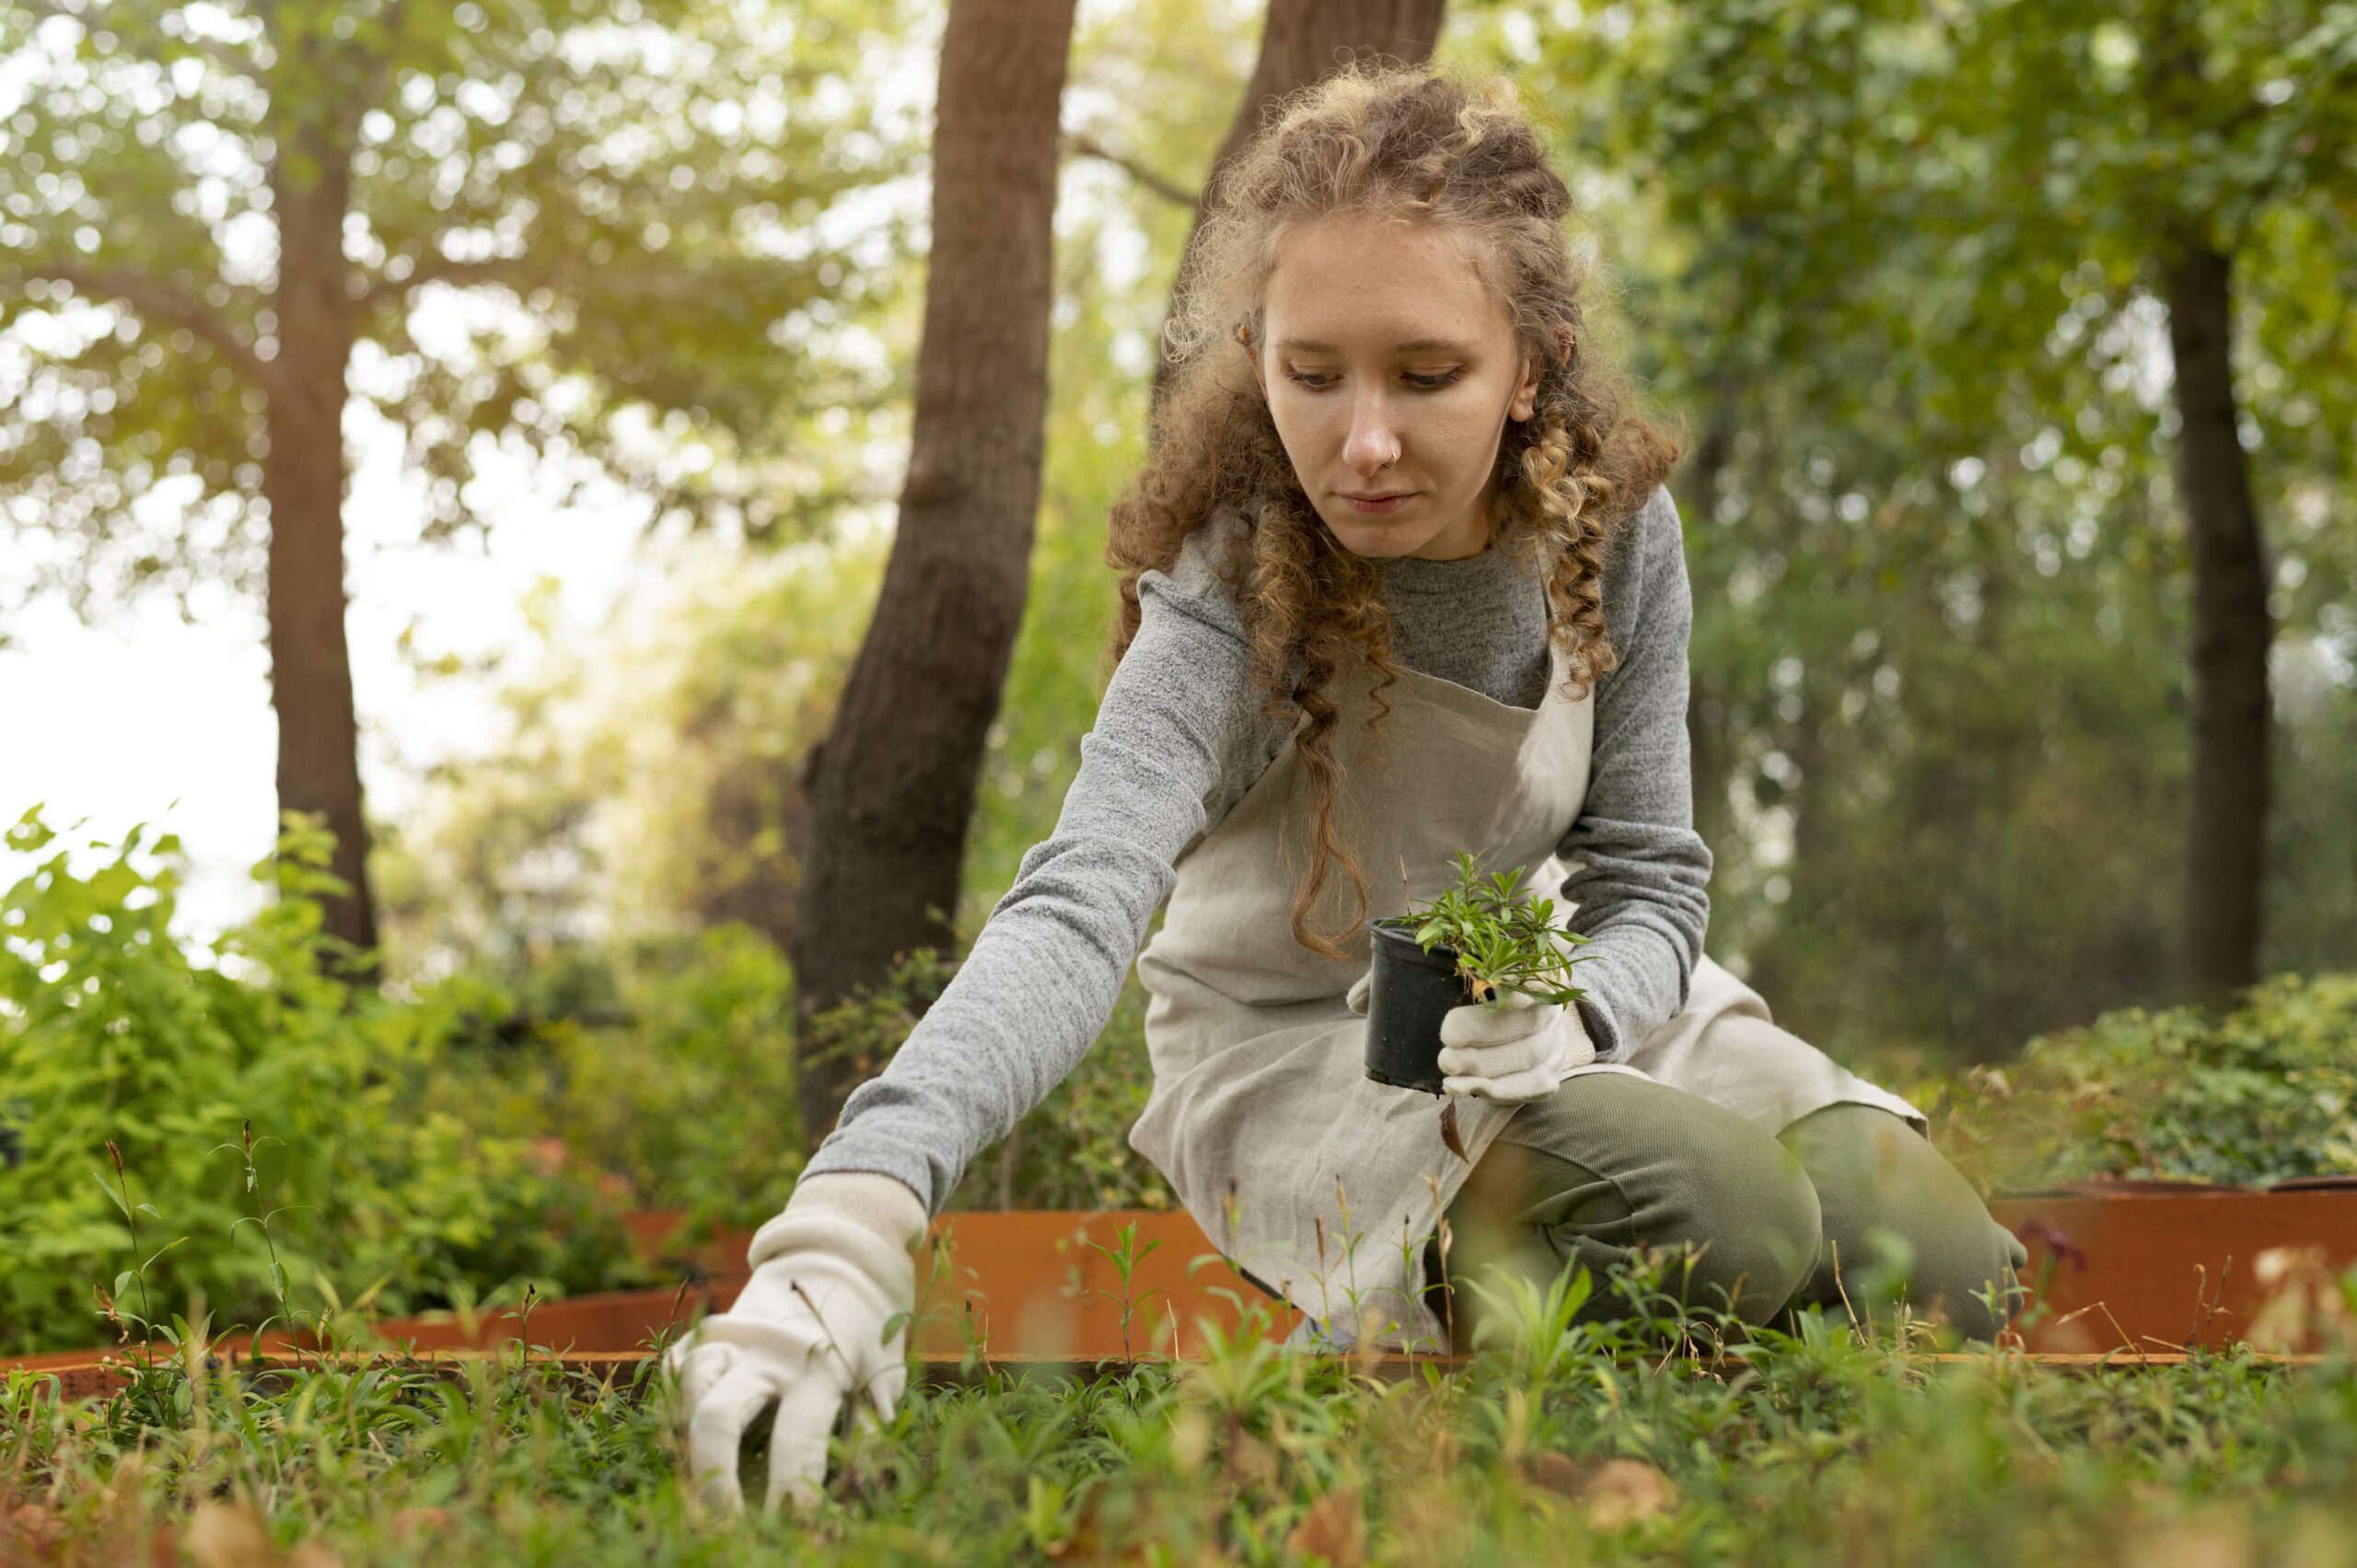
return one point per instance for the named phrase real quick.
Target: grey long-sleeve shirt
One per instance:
(1179, 738)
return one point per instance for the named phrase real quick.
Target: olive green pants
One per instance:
(1848, 1208)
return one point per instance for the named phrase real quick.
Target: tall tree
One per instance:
(2032, 205)
(891, 788)
(1301, 42)
(2159, 141)
(207, 210)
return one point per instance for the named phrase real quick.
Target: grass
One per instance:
(1646, 1440)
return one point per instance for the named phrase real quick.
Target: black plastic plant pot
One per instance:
(1411, 990)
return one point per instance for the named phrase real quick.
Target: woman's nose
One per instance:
(1372, 445)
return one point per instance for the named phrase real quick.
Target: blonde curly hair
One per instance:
(1428, 145)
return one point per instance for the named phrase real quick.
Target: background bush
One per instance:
(110, 1030)
(2264, 1093)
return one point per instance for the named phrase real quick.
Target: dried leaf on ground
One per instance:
(231, 1535)
(1616, 1493)
(31, 1530)
(1334, 1530)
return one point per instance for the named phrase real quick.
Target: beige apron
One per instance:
(1315, 1179)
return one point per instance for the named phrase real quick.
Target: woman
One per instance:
(1399, 579)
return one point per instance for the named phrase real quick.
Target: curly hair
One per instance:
(1425, 145)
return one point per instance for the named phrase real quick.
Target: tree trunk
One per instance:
(1302, 41)
(891, 788)
(1709, 745)
(2226, 864)
(303, 480)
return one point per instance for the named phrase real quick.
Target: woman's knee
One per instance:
(1623, 1161)
(1901, 1221)
(1755, 1215)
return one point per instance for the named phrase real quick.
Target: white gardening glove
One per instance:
(808, 1333)
(1516, 1051)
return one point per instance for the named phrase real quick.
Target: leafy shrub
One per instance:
(666, 1062)
(110, 1032)
(2267, 1092)
(670, 1063)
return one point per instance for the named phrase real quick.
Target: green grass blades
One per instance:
(1643, 1440)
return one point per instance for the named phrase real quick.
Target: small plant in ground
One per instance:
(111, 1306)
(1125, 1255)
(1504, 942)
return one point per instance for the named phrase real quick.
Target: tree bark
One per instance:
(304, 482)
(1709, 745)
(1302, 41)
(891, 788)
(2226, 864)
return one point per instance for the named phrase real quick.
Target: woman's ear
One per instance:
(1526, 392)
(1244, 335)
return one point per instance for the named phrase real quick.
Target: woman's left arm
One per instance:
(1640, 872)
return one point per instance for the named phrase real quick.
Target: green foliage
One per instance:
(1897, 271)
(2264, 1093)
(645, 779)
(1503, 940)
(635, 201)
(114, 1038)
(665, 1065)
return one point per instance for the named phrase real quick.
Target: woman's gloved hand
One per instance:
(822, 1320)
(1516, 1051)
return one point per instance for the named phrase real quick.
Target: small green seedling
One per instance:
(1125, 1257)
(1504, 942)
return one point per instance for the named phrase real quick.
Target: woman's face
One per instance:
(1391, 373)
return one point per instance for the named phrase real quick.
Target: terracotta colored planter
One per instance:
(2131, 1265)
(1026, 1282)
(1022, 1283)
(2151, 1266)
(2138, 1268)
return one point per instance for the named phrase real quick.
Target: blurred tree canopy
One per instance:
(617, 238)
(1903, 269)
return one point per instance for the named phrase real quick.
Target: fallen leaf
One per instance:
(228, 1535)
(1622, 1491)
(31, 1527)
(1614, 1494)
(2216, 1540)
(1251, 1462)
(1333, 1529)
(1449, 1134)
(1559, 1473)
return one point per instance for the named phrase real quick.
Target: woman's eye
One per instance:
(1422, 380)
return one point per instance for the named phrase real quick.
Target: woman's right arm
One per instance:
(822, 1321)
(1179, 738)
